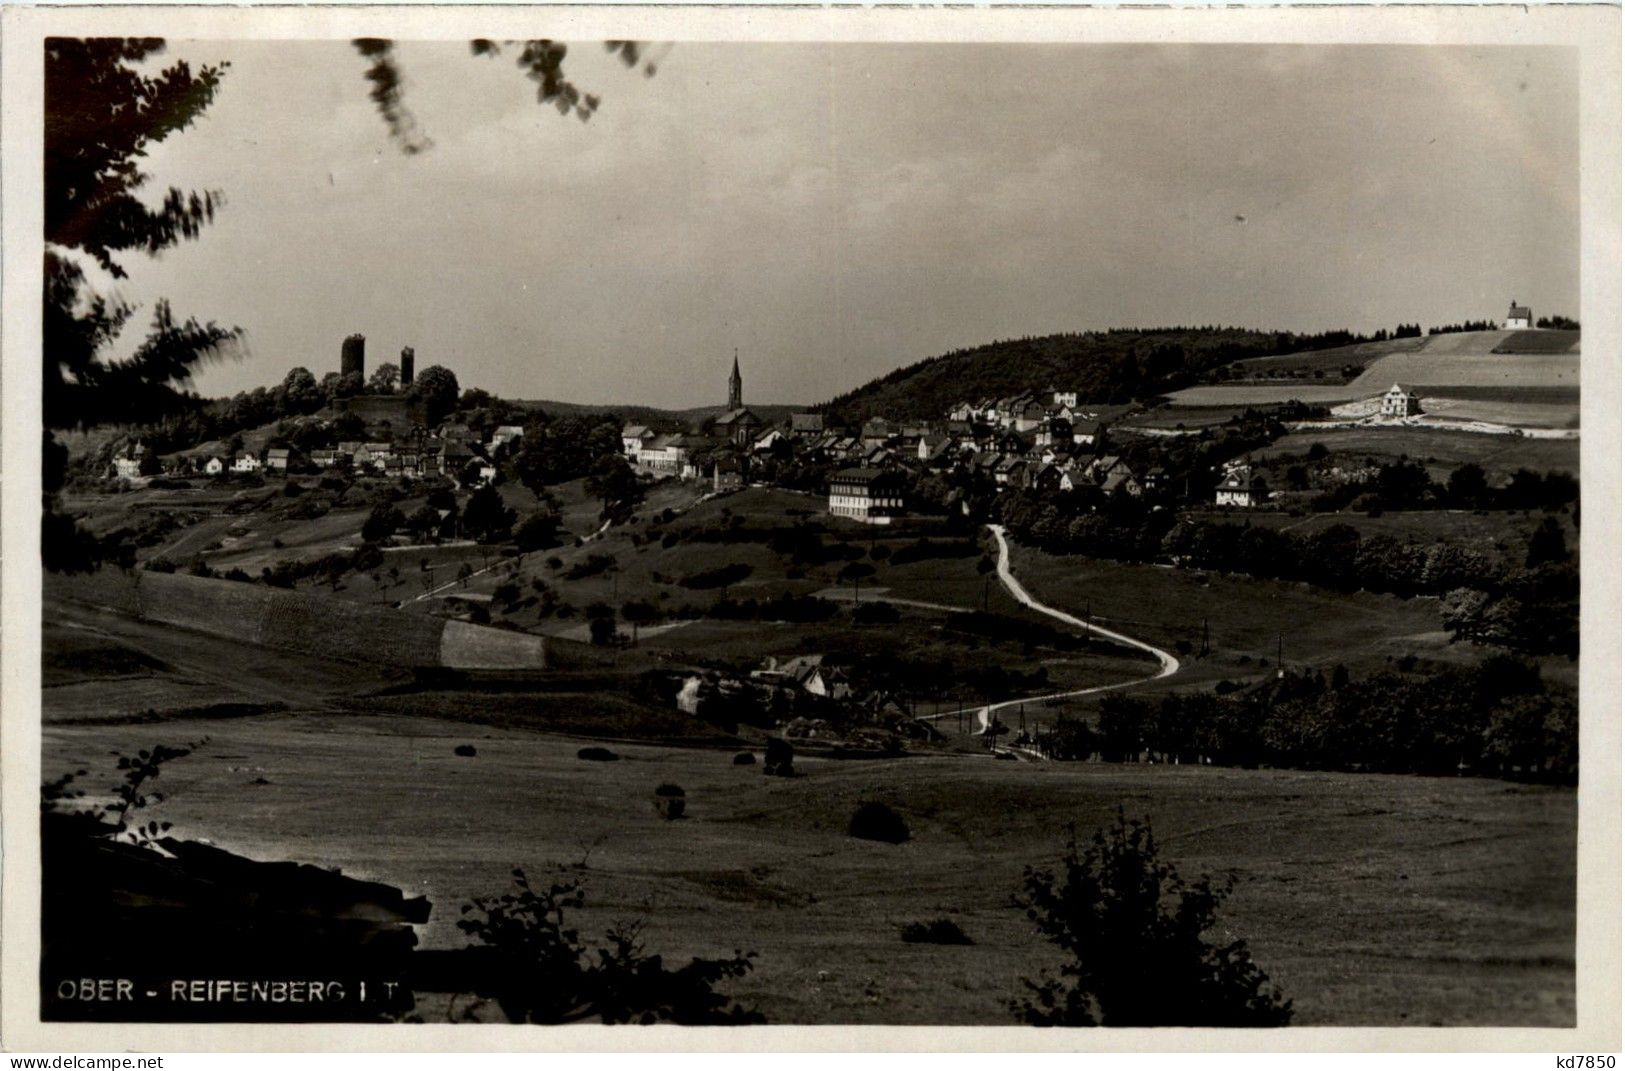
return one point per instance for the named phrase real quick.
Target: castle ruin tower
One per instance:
(408, 360)
(353, 356)
(736, 387)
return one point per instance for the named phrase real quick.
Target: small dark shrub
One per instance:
(745, 758)
(597, 754)
(876, 821)
(935, 932)
(670, 801)
(465, 750)
(779, 760)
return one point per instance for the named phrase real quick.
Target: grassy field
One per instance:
(1500, 535)
(1498, 455)
(1245, 617)
(1368, 899)
(1501, 387)
(1329, 362)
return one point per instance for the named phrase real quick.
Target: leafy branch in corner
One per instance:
(538, 970)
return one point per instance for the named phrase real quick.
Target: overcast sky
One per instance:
(837, 211)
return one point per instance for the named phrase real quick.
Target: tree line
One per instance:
(1496, 718)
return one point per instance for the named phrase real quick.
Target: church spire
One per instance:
(736, 391)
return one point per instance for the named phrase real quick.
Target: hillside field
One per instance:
(1371, 900)
(1463, 366)
(1441, 450)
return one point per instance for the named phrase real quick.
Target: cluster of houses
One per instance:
(1039, 440)
(1042, 440)
(453, 450)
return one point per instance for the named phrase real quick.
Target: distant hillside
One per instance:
(644, 414)
(1103, 367)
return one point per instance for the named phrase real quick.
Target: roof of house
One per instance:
(807, 421)
(739, 416)
(864, 475)
(635, 431)
(1518, 312)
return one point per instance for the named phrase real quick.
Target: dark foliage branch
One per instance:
(102, 116)
(541, 60)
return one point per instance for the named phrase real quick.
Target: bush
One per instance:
(538, 971)
(597, 754)
(875, 613)
(670, 801)
(780, 758)
(935, 932)
(745, 758)
(1132, 931)
(876, 821)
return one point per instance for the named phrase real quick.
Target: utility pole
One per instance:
(1204, 650)
(1278, 645)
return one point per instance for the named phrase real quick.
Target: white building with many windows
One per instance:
(873, 496)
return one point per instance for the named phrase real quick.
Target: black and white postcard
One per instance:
(848, 520)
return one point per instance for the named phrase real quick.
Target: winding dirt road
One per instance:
(1167, 663)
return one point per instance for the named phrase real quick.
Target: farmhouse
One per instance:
(1518, 316)
(245, 462)
(1400, 402)
(873, 496)
(633, 438)
(276, 459)
(215, 465)
(807, 425)
(1240, 488)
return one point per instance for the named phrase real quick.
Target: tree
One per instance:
(436, 385)
(538, 531)
(613, 482)
(1546, 544)
(384, 378)
(103, 114)
(486, 518)
(382, 523)
(1133, 933)
(300, 391)
(1467, 486)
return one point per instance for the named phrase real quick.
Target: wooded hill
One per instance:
(1104, 367)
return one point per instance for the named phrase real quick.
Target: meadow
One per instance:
(1440, 450)
(1371, 900)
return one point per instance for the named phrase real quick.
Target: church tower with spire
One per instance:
(736, 386)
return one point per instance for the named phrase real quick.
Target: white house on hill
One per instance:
(1518, 316)
(1400, 402)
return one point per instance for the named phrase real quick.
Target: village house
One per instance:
(245, 461)
(325, 458)
(1241, 488)
(504, 438)
(1400, 402)
(806, 425)
(808, 673)
(1518, 317)
(633, 438)
(276, 459)
(728, 473)
(664, 454)
(870, 495)
(215, 465)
